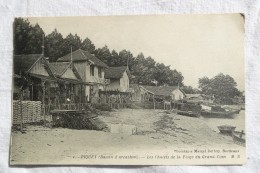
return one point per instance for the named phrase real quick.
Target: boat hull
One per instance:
(239, 138)
(212, 114)
(226, 129)
(189, 114)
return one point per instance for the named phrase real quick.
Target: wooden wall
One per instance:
(39, 69)
(177, 95)
(124, 82)
(69, 74)
(95, 78)
(81, 68)
(113, 85)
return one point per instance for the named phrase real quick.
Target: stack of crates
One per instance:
(38, 108)
(31, 111)
(16, 112)
(25, 111)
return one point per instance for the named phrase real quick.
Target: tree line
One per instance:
(28, 39)
(222, 87)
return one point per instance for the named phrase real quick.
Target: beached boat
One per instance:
(239, 137)
(226, 129)
(236, 111)
(188, 113)
(216, 114)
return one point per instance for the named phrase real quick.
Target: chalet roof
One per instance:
(82, 55)
(198, 95)
(59, 68)
(23, 63)
(135, 87)
(193, 95)
(160, 90)
(16, 76)
(116, 72)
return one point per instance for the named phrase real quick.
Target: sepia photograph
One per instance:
(129, 90)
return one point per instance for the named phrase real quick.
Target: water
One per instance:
(238, 122)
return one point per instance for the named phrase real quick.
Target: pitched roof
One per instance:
(82, 55)
(59, 68)
(193, 95)
(23, 63)
(116, 72)
(161, 90)
(198, 95)
(134, 86)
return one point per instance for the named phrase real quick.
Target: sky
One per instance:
(196, 45)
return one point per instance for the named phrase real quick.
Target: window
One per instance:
(99, 72)
(92, 67)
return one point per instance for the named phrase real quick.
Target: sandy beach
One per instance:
(155, 130)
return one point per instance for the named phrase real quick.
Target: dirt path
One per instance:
(156, 130)
(172, 128)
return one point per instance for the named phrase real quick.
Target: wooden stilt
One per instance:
(80, 97)
(43, 102)
(21, 110)
(153, 102)
(32, 93)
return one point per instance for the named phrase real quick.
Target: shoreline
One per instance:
(156, 131)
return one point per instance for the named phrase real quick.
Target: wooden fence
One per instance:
(34, 111)
(150, 105)
(66, 106)
(114, 101)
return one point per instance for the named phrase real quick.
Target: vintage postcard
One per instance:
(129, 90)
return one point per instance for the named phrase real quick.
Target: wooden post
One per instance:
(80, 97)
(49, 97)
(43, 101)
(21, 110)
(153, 102)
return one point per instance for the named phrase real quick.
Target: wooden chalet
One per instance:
(33, 78)
(119, 78)
(56, 85)
(169, 93)
(68, 87)
(199, 98)
(31, 74)
(91, 71)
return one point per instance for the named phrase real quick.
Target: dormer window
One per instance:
(92, 67)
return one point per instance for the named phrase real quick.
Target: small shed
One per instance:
(119, 78)
(199, 98)
(165, 92)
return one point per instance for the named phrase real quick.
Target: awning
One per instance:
(72, 81)
(42, 77)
